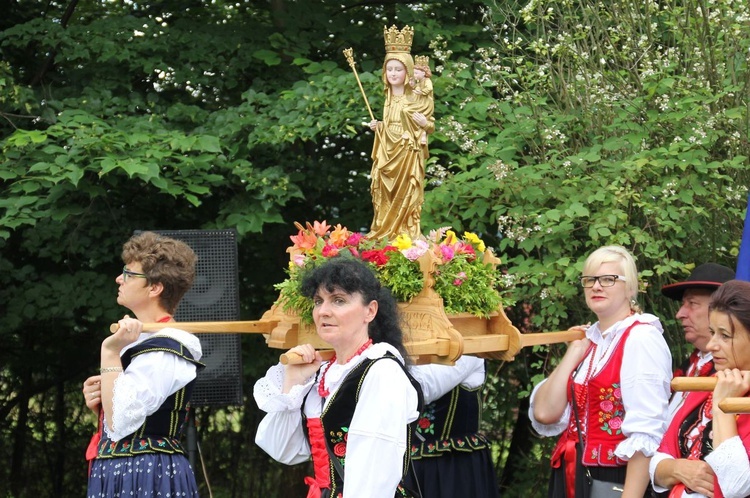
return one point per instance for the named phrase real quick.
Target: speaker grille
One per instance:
(214, 297)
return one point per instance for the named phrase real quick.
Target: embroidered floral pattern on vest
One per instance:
(426, 423)
(338, 443)
(611, 410)
(450, 424)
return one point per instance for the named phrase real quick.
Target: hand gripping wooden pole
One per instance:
(349, 54)
(728, 405)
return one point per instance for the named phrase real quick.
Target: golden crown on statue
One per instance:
(398, 41)
(421, 61)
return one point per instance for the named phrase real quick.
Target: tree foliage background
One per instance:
(561, 126)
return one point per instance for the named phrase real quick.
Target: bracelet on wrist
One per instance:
(110, 369)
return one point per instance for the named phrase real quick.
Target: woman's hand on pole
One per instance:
(295, 374)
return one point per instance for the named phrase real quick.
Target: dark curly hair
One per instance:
(351, 275)
(733, 298)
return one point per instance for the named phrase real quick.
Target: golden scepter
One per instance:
(349, 54)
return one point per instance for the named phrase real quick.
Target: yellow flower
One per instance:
(403, 242)
(474, 239)
(450, 238)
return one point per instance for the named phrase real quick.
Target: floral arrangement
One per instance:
(462, 279)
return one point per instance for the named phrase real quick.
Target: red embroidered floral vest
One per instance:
(602, 414)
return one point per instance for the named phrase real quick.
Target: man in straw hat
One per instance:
(695, 294)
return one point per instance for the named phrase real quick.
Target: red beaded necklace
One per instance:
(580, 389)
(705, 416)
(321, 386)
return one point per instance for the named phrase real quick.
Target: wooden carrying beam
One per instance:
(693, 383)
(248, 327)
(472, 345)
(735, 405)
(706, 384)
(427, 350)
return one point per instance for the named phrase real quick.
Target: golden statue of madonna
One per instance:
(400, 151)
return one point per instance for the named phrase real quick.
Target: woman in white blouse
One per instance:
(613, 384)
(143, 390)
(705, 451)
(352, 413)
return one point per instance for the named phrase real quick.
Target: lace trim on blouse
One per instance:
(729, 462)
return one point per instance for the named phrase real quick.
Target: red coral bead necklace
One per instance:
(324, 393)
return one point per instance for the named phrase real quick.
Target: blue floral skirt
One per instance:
(147, 475)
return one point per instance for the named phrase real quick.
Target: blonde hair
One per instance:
(620, 255)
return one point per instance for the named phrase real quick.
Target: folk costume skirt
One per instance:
(455, 474)
(146, 475)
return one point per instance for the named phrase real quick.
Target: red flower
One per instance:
(468, 249)
(330, 251)
(339, 449)
(375, 256)
(424, 423)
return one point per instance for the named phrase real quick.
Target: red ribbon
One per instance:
(93, 447)
(677, 490)
(569, 462)
(321, 462)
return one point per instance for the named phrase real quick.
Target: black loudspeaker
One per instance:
(214, 297)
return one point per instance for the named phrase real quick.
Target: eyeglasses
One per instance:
(604, 280)
(126, 274)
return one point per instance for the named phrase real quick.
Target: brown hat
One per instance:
(706, 276)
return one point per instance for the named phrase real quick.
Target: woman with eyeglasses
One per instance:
(607, 398)
(705, 451)
(142, 393)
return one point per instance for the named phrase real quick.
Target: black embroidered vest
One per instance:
(450, 423)
(337, 416)
(161, 431)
